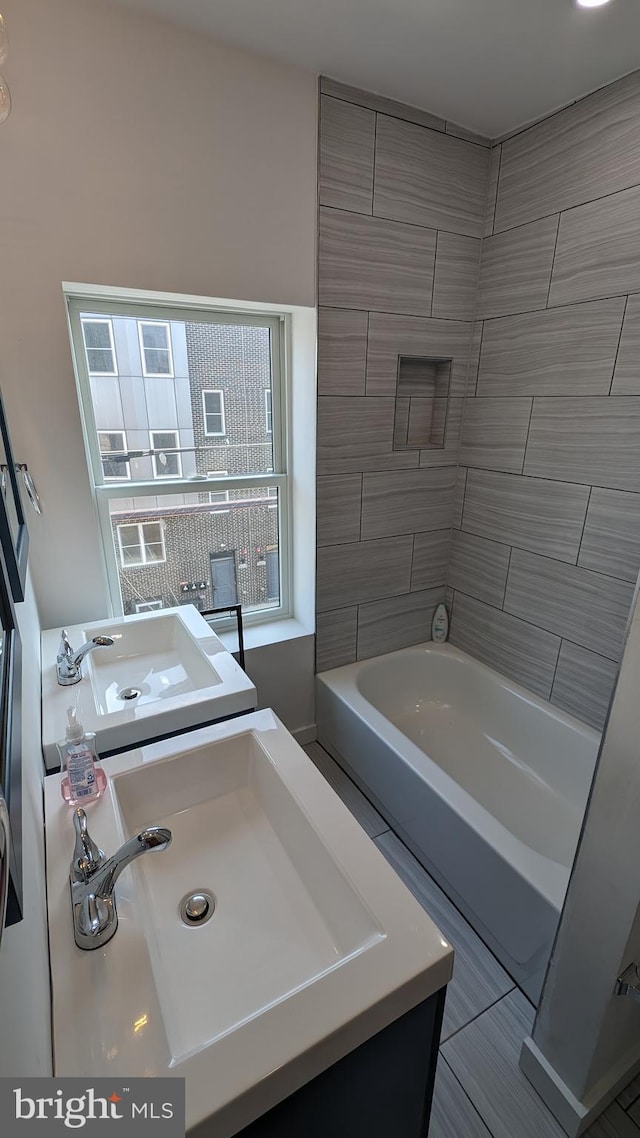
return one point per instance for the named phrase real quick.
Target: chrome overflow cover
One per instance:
(197, 908)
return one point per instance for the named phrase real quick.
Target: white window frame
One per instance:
(140, 526)
(220, 392)
(155, 307)
(218, 474)
(148, 606)
(157, 470)
(109, 322)
(155, 374)
(105, 454)
(268, 411)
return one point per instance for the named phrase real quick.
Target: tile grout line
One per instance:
(496, 316)
(537, 477)
(584, 526)
(323, 209)
(401, 118)
(361, 503)
(475, 393)
(464, 1093)
(555, 670)
(354, 786)
(506, 580)
(538, 627)
(413, 551)
(357, 630)
(563, 209)
(433, 279)
(495, 204)
(615, 362)
(526, 441)
(488, 398)
(553, 260)
(477, 1016)
(501, 232)
(373, 172)
(366, 356)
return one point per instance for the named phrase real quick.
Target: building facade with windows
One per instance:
(176, 403)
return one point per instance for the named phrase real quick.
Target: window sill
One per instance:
(268, 632)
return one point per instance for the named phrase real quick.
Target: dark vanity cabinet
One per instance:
(382, 1089)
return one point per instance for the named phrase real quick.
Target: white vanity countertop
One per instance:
(197, 680)
(111, 1015)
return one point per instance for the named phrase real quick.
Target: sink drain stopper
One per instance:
(129, 693)
(197, 908)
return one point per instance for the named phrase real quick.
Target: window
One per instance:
(97, 334)
(216, 496)
(114, 456)
(166, 459)
(177, 492)
(155, 348)
(267, 412)
(149, 606)
(213, 407)
(141, 543)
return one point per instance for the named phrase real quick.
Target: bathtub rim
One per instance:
(549, 878)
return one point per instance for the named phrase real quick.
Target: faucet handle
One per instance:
(87, 857)
(93, 915)
(65, 651)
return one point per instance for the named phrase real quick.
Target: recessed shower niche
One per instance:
(422, 399)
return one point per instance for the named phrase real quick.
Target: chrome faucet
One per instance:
(92, 878)
(69, 663)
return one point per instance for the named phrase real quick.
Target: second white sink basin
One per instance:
(284, 913)
(165, 672)
(158, 659)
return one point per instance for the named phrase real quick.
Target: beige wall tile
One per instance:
(345, 176)
(363, 571)
(336, 634)
(342, 351)
(370, 263)
(428, 178)
(407, 502)
(515, 270)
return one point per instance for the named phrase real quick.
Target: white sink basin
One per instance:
(165, 672)
(285, 914)
(314, 944)
(158, 658)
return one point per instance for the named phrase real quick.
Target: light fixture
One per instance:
(592, 3)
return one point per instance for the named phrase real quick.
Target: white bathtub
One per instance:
(485, 782)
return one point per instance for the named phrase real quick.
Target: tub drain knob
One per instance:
(197, 907)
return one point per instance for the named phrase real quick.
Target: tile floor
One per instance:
(480, 1091)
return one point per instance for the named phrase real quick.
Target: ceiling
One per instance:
(489, 65)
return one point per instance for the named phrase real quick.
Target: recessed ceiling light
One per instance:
(591, 3)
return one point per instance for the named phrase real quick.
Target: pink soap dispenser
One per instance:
(83, 778)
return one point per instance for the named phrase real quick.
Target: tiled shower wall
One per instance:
(546, 544)
(545, 547)
(402, 203)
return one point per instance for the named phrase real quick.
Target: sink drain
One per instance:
(129, 693)
(197, 908)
